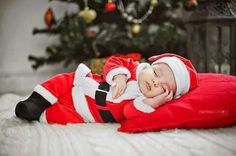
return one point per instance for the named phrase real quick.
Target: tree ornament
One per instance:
(154, 2)
(91, 34)
(110, 6)
(136, 28)
(49, 19)
(87, 14)
(192, 3)
(134, 55)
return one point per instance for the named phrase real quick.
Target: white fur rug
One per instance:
(36, 139)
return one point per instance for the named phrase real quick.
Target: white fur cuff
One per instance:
(117, 71)
(45, 93)
(141, 106)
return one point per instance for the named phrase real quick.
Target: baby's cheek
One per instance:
(154, 92)
(146, 93)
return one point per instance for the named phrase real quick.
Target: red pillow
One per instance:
(211, 104)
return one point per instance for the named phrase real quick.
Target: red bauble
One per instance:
(49, 18)
(134, 55)
(91, 34)
(110, 6)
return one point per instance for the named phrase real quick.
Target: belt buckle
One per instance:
(100, 97)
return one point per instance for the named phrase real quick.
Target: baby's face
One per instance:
(152, 79)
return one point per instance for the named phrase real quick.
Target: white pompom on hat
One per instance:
(141, 67)
(183, 70)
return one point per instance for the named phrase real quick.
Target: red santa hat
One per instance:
(183, 70)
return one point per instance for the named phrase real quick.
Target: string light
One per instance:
(130, 18)
(136, 21)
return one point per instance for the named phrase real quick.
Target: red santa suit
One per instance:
(74, 97)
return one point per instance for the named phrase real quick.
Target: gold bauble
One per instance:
(154, 2)
(136, 28)
(97, 64)
(88, 14)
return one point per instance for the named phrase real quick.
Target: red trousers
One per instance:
(62, 111)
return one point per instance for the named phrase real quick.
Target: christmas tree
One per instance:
(103, 28)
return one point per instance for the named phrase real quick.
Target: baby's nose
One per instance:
(155, 82)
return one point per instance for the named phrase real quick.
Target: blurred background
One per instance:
(39, 39)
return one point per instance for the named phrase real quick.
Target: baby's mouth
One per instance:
(165, 87)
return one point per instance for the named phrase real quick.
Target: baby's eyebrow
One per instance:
(153, 68)
(157, 67)
(156, 72)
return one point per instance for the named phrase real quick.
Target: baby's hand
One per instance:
(119, 85)
(161, 99)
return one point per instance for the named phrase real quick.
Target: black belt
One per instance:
(100, 99)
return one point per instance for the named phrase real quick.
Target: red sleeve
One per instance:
(118, 65)
(136, 108)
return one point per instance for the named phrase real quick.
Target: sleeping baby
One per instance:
(127, 89)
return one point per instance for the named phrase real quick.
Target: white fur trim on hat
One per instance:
(117, 71)
(141, 67)
(141, 106)
(180, 72)
(45, 93)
